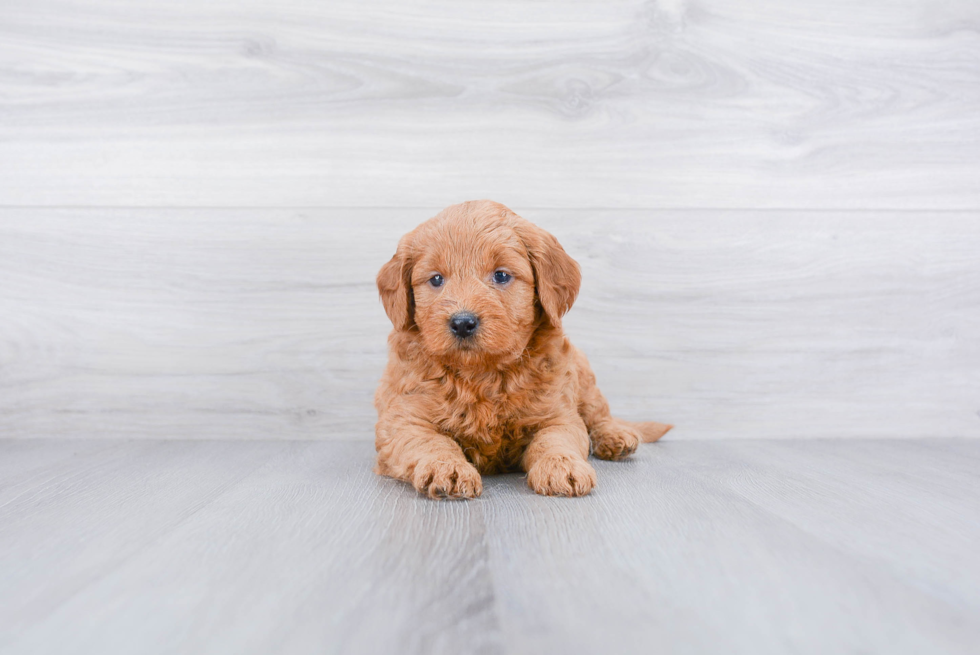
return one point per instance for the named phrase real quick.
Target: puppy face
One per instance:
(474, 294)
(476, 281)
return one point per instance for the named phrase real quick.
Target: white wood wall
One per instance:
(776, 205)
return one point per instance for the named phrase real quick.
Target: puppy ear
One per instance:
(395, 288)
(556, 274)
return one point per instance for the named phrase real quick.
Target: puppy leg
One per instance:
(556, 461)
(611, 438)
(431, 462)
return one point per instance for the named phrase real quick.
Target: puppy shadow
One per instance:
(513, 482)
(613, 475)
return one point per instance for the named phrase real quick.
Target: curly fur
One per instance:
(517, 394)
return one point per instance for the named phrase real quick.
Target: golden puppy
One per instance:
(480, 376)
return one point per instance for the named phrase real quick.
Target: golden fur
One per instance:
(517, 394)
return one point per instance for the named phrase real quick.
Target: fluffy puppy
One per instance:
(480, 376)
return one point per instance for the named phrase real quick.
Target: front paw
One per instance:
(614, 440)
(561, 475)
(441, 480)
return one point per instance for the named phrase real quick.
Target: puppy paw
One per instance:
(561, 475)
(443, 480)
(614, 440)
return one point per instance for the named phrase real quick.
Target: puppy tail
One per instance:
(650, 431)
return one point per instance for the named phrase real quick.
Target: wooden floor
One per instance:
(819, 546)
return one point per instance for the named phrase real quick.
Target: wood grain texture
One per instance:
(265, 324)
(749, 547)
(309, 552)
(669, 103)
(744, 547)
(107, 505)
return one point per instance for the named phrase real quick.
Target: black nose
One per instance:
(463, 324)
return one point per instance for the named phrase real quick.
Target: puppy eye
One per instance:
(436, 280)
(501, 277)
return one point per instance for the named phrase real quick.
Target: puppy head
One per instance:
(476, 281)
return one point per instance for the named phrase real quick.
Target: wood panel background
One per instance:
(596, 103)
(775, 205)
(266, 323)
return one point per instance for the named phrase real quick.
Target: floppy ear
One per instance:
(556, 274)
(395, 288)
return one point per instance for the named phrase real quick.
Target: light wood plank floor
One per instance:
(744, 546)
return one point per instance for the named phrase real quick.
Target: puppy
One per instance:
(480, 376)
